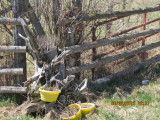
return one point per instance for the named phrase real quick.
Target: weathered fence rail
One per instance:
(135, 27)
(11, 71)
(14, 21)
(15, 49)
(116, 14)
(12, 89)
(105, 41)
(111, 58)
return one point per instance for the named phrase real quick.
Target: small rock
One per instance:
(145, 82)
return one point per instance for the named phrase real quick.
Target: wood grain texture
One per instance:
(11, 89)
(11, 49)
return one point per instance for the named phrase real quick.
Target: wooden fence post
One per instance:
(144, 28)
(19, 58)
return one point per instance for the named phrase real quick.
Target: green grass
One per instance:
(7, 99)
(23, 118)
(4, 103)
(149, 93)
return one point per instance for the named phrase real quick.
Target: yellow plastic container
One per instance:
(49, 96)
(87, 110)
(77, 116)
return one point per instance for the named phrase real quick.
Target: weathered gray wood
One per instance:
(105, 41)
(19, 58)
(111, 58)
(5, 10)
(56, 14)
(11, 49)
(115, 14)
(33, 18)
(129, 70)
(12, 21)
(31, 43)
(11, 89)
(11, 71)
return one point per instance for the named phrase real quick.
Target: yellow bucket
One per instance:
(87, 110)
(77, 116)
(49, 96)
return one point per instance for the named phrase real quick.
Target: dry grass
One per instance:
(106, 111)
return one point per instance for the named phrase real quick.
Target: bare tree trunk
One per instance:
(78, 32)
(56, 14)
(33, 18)
(74, 34)
(108, 33)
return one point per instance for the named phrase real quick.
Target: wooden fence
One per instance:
(12, 71)
(18, 50)
(115, 38)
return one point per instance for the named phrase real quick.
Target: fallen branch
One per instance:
(129, 70)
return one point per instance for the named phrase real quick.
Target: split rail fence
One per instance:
(115, 38)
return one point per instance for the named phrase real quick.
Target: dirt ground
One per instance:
(7, 112)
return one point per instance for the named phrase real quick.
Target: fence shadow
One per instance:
(126, 84)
